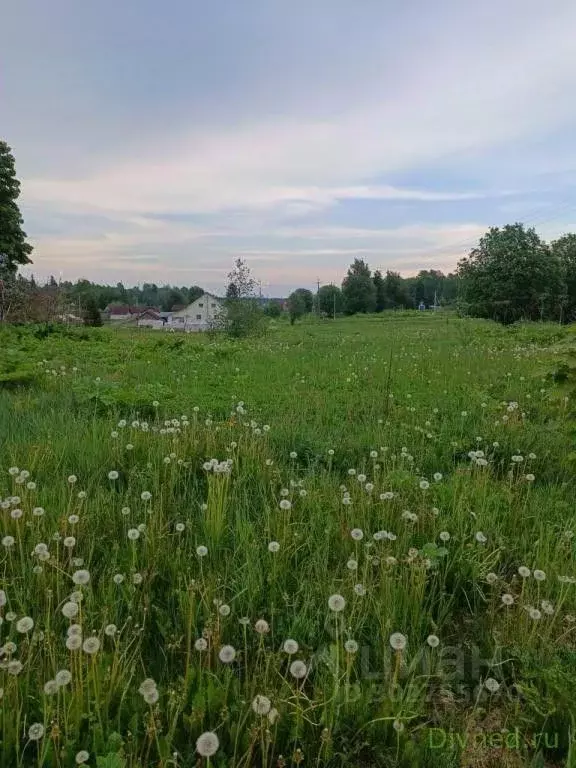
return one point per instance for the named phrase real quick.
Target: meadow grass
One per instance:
(345, 543)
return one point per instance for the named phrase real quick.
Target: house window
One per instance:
(200, 305)
(213, 306)
(198, 317)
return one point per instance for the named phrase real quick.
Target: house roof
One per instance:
(126, 309)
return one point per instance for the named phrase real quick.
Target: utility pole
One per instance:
(317, 297)
(334, 305)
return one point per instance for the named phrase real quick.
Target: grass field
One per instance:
(347, 543)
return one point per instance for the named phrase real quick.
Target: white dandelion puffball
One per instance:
(38, 511)
(147, 686)
(72, 479)
(3, 598)
(137, 578)
(63, 677)
(480, 537)
(110, 630)
(524, 572)
(180, 527)
(398, 641)
(8, 541)
(491, 684)
(357, 534)
(352, 565)
(261, 704)
(151, 697)
(273, 715)
(360, 589)
(51, 688)
(82, 757)
(273, 546)
(113, 475)
(24, 625)
(145, 495)
(227, 654)
(491, 578)
(437, 476)
(539, 575)
(547, 607)
(290, 646)
(201, 644)
(433, 641)
(207, 744)
(201, 551)
(81, 578)
(91, 645)
(351, 646)
(118, 578)
(444, 536)
(69, 542)
(36, 731)
(285, 504)
(262, 627)
(74, 629)
(70, 609)
(298, 669)
(336, 603)
(424, 485)
(398, 726)
(535, 614)
(133, 534)
(14, 667)
(224, 610)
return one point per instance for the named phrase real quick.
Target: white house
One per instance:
(200, 315)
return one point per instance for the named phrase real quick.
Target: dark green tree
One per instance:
(242, 315)
(296, 306)
(307, 298)
(273, 309)
(564, 249)
(91, 314)
(358, 289)
(396, 291)
(14, 250)
(330, 300)
(512, 275)
(380, 286)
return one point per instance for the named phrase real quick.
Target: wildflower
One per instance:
(529, 477)
(547, 607)
(293, 455)
(207, 744)
(360, 589)
(273, 546)
(424, 485)
(70, 610)
(13, 471)
(74, 629)
(491, 578)
(491, 684)
(16, 514)
(524, 572)
(137, 578)
(63, 677)
(298, 669)
(224, 610)
(133, 534)
(36, 731)
(273, 715)
(51, 687)
(534, 613)
(91, 645)
(438, 476)
(398, 726)
(285, 504)
(336, 603)
(261, 704)
(38, 511)
(82, 757)
(391, 560)
(72, 479)
(481, 537)
(398, 641)
(539, 575)
(352, 565)
(145, 495)
(201, 551)
(262, 627)
(351, 646)
(386, 496)
(244, 621)
(118, 578)
(290, 646)
(361, 478)
(110, 630)
(180, 527)
(357, 534)
(201, 644)
(8, 541)
(444, 536)
(14, 667)
(433, 641)
(81, 577)
(69, 542)
(73, 519)
(24, 625)
(227, 654)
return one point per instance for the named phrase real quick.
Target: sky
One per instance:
(159, 142)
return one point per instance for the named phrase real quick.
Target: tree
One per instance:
(14, 250)
(242, 315)
(273, 309)
(380, 286)
(564, 249)
(358, 289)
(330, 300)
(512, 275)
(92, 313)
(396, 291)
(194, 292)
(307, 298)
(296, 306)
